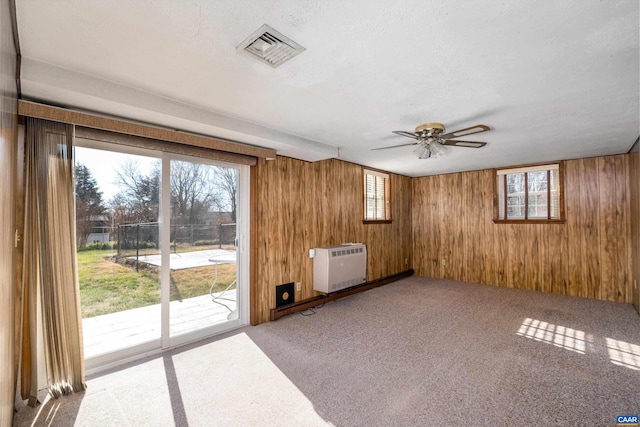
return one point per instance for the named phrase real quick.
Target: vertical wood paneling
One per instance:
(8, 143)
(434, 248)
(555, 255)
(623, 282)
(472, 203)
(420, 217)
(533, 269)
(608, 218)
(457, 253)
(299, 219)
(448, 237)
(588, 255)
(634, 212)
(426, 253)
(589, 215)
(574, 227)
(517, 256)
(486, 233)
(310, 175)
(401, 186)
(407, 222)
(305, 205)
(501, 251)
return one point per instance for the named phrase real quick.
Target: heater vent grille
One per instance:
(270, 46)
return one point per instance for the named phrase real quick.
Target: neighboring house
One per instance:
(100, 229)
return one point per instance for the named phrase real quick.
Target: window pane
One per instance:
(540, 200)
(515, 206)
(515, 195)
(537, 181)
(537, 186)
(376, 196)
(501, 196)
(203, 255)
(117, 230)
(555, 195)
(515, 183)
(380, 198)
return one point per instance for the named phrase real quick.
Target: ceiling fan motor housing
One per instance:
(429, 129)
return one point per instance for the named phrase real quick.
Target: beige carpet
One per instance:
(417, 352)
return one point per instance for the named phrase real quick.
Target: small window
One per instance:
(531, 194)
(377, 206)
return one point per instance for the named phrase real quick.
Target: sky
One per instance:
(104, 165)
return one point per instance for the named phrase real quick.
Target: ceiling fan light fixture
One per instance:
(422, 151)
(437, 150)
(433, 142)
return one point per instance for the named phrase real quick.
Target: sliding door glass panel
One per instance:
(158, 261)
(118, 249)
(203, 256)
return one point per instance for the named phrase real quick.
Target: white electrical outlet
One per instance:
(312, 253)
(298, 286)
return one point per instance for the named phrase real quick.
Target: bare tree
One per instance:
(226, 183)
(139, 198)
(192, 191)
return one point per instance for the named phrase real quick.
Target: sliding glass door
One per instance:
(118, 234)
(161, 249)
(202, 244)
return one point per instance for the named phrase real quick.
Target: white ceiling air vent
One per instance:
(270, 46)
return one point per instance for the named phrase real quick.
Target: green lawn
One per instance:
(107, 287)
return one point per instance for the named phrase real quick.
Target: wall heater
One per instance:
(339, 267)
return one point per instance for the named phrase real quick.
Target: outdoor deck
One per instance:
(115, 331)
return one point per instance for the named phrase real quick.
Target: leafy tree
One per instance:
(90, 208)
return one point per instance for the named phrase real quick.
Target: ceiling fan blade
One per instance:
(407, 134)
(466, 131)
(394, 146)
(469, 144)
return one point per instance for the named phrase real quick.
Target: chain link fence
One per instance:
(144, 238)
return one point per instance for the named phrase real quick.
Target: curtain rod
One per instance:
(57, 114)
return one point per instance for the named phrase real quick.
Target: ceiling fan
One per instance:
(433, 142)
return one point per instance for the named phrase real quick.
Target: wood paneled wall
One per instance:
(454, 236)
(297, 206)
(8, 142)
(634, 179)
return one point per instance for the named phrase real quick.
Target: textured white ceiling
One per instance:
(553, 79)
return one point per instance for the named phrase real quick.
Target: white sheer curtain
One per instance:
(49, 270)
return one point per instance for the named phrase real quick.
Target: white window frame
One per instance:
(377, 197)
(554, 196)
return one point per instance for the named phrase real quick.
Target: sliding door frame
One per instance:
(242, 264)
(165, 341)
